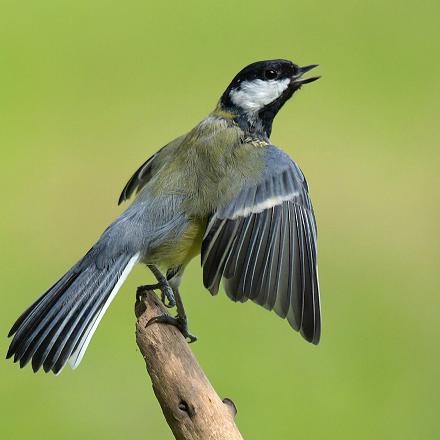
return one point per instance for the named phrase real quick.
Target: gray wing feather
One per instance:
(232, 257)
(261, 256)
(267, 289)
(261, 285)
(294, 313)
(239, 261)
(216, 260)
(137, 179)
(314, 326)
(263, 244)
(284, 275)
(246, 279)
(145, 172)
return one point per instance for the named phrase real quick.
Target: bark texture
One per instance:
(191, 407)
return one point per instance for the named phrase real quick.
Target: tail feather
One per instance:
(63, 283)
(26, 331)
(43, 324)
(82, 344)
(59, 325)
(66, 321)
(93, 313)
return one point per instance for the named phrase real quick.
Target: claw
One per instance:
(177, 321)
(166, 293)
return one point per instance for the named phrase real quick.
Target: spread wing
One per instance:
(144, 173)
(263, 244)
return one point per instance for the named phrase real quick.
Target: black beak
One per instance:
(301, 71)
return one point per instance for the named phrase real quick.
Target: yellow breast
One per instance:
(180, 252)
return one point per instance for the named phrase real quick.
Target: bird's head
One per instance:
(257, 92)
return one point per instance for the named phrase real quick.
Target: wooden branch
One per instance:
(191, 407)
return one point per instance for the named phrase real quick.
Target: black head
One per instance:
(257, 92)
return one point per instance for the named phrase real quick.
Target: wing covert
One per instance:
(144, 173)
(137, 180)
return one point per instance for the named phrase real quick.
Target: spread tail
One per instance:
(57, 328)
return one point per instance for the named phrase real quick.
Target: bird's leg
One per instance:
(162, 284)
(180, 321)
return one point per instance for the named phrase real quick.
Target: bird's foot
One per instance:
(166, 293)
(180, 322)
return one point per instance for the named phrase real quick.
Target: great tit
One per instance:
(221, 190)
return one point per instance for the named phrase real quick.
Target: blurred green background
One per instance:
(89, 89)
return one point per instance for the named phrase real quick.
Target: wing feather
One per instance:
(263, 245)
(135, 181)
(262, 295)
(270, 288)
(246, 280)
(232, 285)
(145, 172)
(261, 257)
(294, 314)
(282, 296)
(307, 311)
(215, 261)
(230, 262)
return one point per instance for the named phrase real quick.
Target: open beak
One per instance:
(297, 78)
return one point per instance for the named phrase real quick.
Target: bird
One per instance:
(222, 191)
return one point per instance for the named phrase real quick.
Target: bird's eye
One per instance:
(270, 74)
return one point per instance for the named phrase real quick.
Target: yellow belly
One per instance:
(180, 252)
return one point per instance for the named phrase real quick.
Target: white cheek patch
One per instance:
(254, 95)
